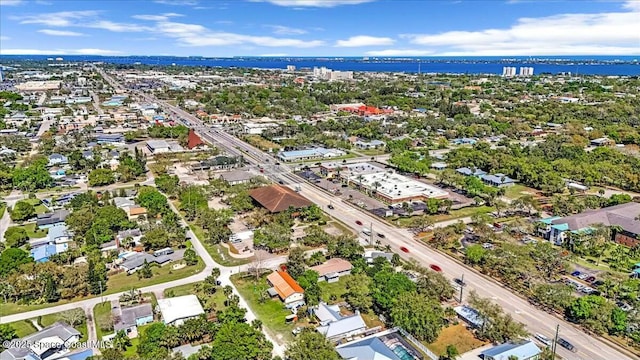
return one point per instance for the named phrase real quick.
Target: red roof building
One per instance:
(194, 140)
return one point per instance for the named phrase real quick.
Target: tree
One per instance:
(145, 271)
(451, 353)
(554, 296)
(593, 311)
(15, 236)
(240, 341)
(311, 345)
(387, 287)
(358, 293)
(167, 183)
(495, 325)
(346, 247)
(6, 333)
(152, 200)
(73, 317)
(419, 315)
(22, 210)
(435, 286)
(101, 177)
(548, 260)
(190, 257)
(153, 342)
(422, 223)
(475, 254)
(296, 262)
(121, 341)
(11, 259)
(312, 291)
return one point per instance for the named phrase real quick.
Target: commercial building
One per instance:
(39, 85)
(316, 153)
(276, 198)
(236, 177)
(178, 309)
(394, 188)
(158, 146)
(622, 217)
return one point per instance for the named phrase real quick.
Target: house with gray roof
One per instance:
(334, 326)
(53, 342)
(386, 345)
(471, 172)
(526, 350)
(50, 219)
(236, 177)
(129, 318)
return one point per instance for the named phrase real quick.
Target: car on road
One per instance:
(567, 345)
(435, 267)
(280, 182)
(358, 222)
(575, 273)
(381, 235)
(404, 249)
(330, 206)
(460, 282)
(543, 339)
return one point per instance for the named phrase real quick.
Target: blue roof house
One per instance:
(469, 172)
(42, 253)
(499, 180)
(57, 159)
(522, 351)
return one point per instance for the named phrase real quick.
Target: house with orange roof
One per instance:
(286, 288)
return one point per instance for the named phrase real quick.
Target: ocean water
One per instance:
(585, 65)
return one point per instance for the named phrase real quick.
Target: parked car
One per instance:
(404, 249)
(590, 279)
(358, 222)
(567, 345)
(543, 339)
(575, 273)
(583, 276)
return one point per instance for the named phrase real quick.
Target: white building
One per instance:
(291, 68)
(526, 71)
(158, 146)
(508, 71)
(178, 309)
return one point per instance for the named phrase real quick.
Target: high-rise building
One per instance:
(1, 74)
(508, 71)
(526, 71)
(291, 68)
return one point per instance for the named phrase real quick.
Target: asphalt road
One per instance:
(536, 320)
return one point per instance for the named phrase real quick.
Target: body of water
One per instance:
(595, 65)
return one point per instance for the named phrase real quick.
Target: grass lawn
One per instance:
(218, 252)
(340, 226)
(371, 319)
(272, 312)
(333, 290)
(457, 335)
(453, 214)
(517, 190)
(3, 207)
(33, 232)
(188, 289)
(371, 152)
(13, 308)
(131, 350)
(262, 143)
(102, 317)
(37, 203)
(23, 328)
(49, 319)
(123, 282)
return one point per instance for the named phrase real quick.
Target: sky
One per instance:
(374, 28)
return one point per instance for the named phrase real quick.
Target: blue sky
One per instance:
(320, 27)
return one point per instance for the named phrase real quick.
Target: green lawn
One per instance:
(102, 317)
(23, 328)
(188, 289)
(371, 152)
(515, 191)
(453, 214)
(37, 203)
(49, 319)
(162, 274)
(131, 350)
(3, 207)
(33, 232)
(272, 312)
(116, 283)
(219, 253)
(333, 290)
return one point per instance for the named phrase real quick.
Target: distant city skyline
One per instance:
(376, 28)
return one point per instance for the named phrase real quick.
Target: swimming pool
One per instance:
(402, 353)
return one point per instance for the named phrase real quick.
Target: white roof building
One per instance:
(397, 188)
(178, 309)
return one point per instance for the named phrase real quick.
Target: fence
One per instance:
(418, 344)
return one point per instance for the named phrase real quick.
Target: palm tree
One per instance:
(360, 178)
(121, 341)
(376, 185)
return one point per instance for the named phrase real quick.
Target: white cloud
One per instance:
(162, 17)
(399, 52)
(314, 3)
(198, 35)
(60, 32)
(563, 34)
(177, 2)
(10, 2)
(58, 52)
(364, 40)
(4, 38)
(62, 18)
(117, 27)
(285, 30)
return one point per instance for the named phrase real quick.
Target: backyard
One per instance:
(26, 327)
(37, 203)
(458, 336)
(33, 232)
(271, 311)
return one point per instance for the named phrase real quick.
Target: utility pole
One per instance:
(101, 297)
(555, 342)
(371, 234)
(461, 287)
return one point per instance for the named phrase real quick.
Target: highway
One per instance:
(536, 320)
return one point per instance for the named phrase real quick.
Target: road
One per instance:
(536, 320)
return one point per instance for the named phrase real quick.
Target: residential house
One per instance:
(57, 159)
(385, 345)
(525, 350)
(55, 341)
(236, 177)
(622, 217)
(334, 326)
(471, 172)
(285, 287)
(50, 219)
(113, 139)
(276, 198)
(134, 261)
(218, 163)
(129, 318)
(178, 309)
(602, 142)
(498, 180)
(136, 211)
(134, 234)
(373, 144)
(370, 256)
(332, 269)
(439, 166)
(44, 252)
(123, 202)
